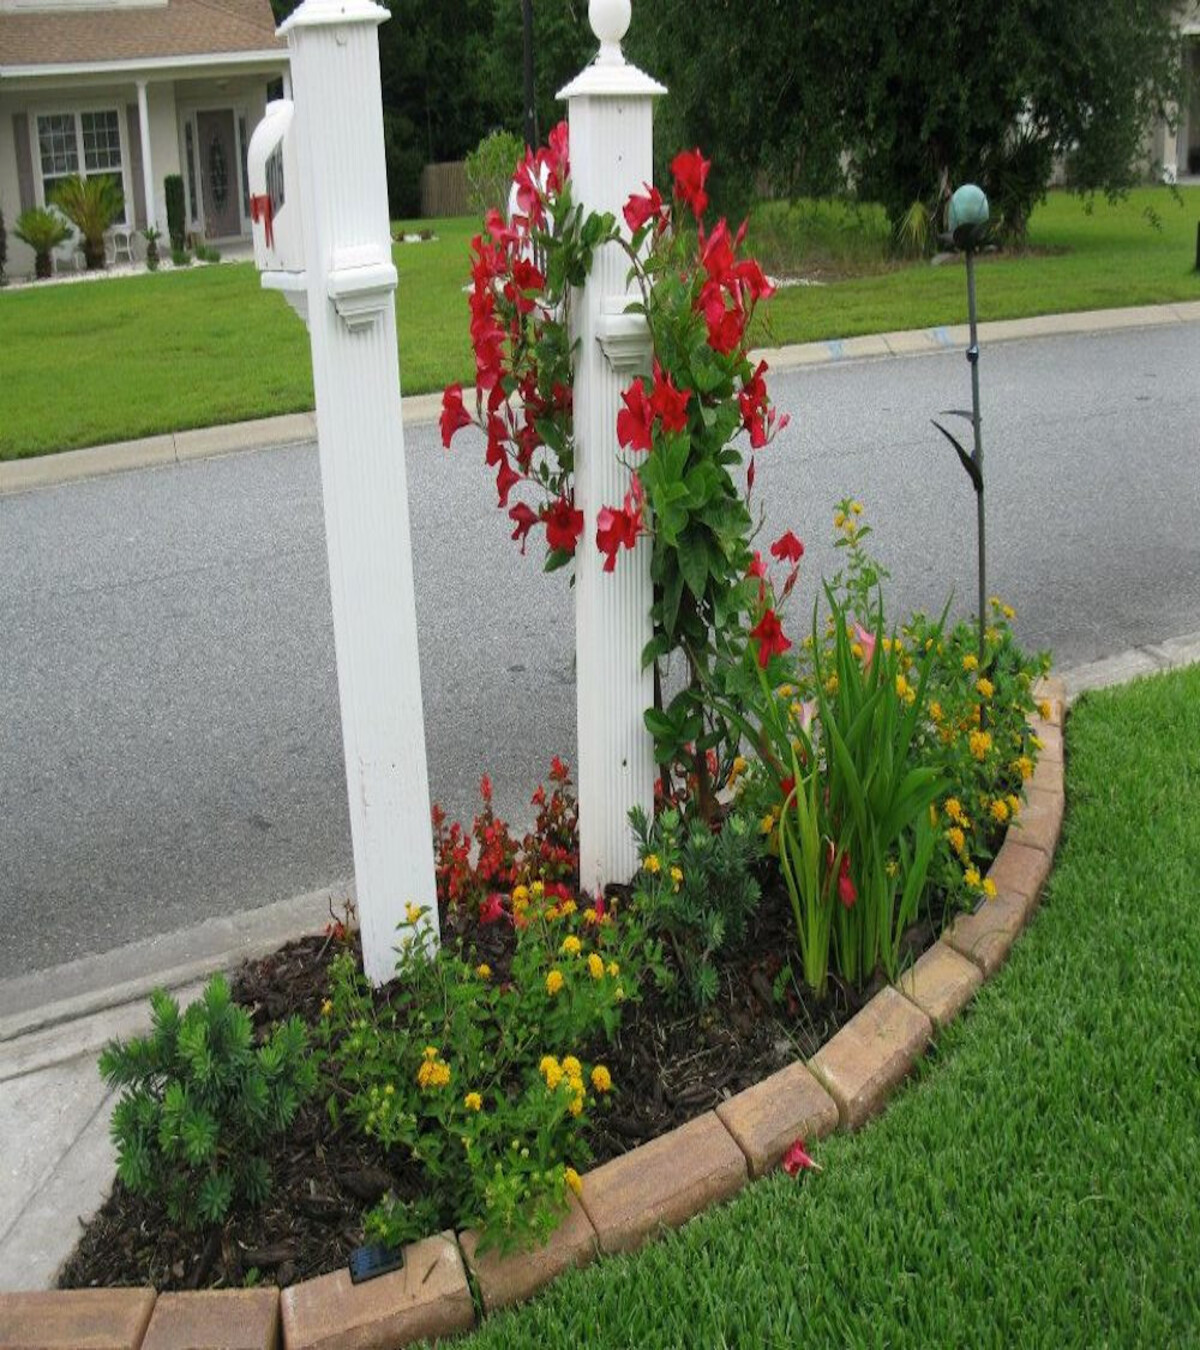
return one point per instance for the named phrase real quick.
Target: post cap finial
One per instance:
(610, 23)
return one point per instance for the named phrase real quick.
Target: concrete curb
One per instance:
(668, 1180)
(128, 974)
(23, 475)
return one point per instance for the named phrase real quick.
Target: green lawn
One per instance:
(1037, 1186)
(80, 365)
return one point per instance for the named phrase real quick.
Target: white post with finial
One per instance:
(609, 109)
(350, 284)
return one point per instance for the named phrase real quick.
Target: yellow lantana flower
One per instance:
(651, 863)
(412, 912)
(601, 1079)
(970, 661)
(613, 969)
(677, 876)
(989, 888)
(981, 743)
(473, 1101)
(985, 687)
(958, 840)
(999, 810)
(954, 809)
(572, 1178)
(483, 970)
(595, 966)
(571, 946)
(971, 877)
(554, 982)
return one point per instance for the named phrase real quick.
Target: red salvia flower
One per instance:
(491, 910)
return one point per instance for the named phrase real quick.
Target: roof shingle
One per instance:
(124, 33)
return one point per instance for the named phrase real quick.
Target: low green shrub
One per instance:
(489, 170)
(201, 1102)
(173, 190)
(698, 890)
(43, 231)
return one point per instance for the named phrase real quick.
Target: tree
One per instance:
(944, 91)
(919, 94)
(748, 84)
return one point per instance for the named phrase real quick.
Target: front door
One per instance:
(217, 147)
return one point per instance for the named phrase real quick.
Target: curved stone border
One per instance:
(623, 1203)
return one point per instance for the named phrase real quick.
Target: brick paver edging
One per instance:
(660, 1185)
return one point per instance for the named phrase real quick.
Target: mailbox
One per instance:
(275, 192)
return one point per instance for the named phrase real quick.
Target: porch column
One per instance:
(287, 81)
(147, 164)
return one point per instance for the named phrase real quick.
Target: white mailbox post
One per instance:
(323, 237)
(609, 107)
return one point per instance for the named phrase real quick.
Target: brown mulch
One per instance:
(670, 1064)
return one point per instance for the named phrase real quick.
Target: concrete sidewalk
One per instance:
(297, 428)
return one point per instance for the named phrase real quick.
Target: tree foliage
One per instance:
(916, 94)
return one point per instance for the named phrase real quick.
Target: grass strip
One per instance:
(136, 356)
(1036, 1186)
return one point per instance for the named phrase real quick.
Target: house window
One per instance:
(60, 139)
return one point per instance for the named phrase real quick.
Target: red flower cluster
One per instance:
(540, 174)
(731, 289)
(511, 397)
(664, 404)
(475, 871)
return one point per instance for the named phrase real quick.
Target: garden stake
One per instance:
(968, 217)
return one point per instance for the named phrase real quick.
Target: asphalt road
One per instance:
(169, 742)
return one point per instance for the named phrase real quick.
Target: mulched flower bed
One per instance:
(669, 1066)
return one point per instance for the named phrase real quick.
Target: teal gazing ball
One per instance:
(968, 214)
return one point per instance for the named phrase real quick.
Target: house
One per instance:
(1176, 153)
(140, 89)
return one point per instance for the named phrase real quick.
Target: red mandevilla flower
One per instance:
(638, 210)
(690, 171)
(524, 519)
(758, 567)
(617, 529)
(787, 548)
(797, 1159)
(635, 421)
(564, 525)
(454, 415)
(669, 403)
(768, 633)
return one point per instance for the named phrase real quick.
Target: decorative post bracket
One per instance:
(624, 338)
(362, 286)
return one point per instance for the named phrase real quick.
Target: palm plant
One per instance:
(43, 231)
(91, 205)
